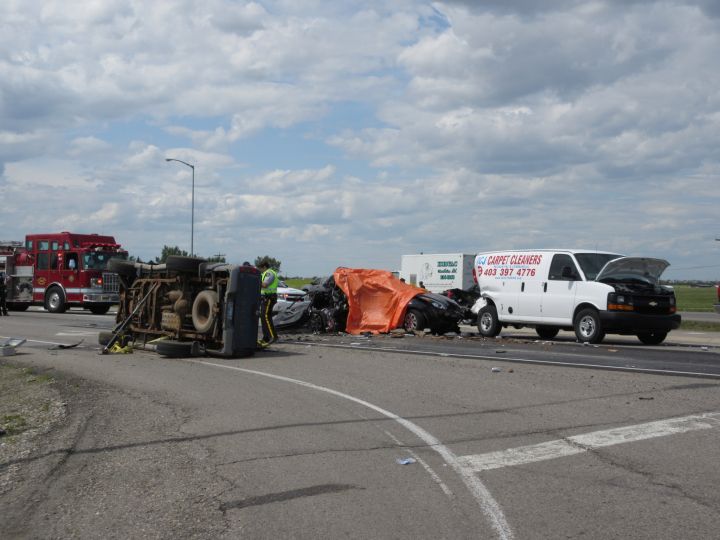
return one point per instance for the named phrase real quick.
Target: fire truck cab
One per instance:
(70, 270)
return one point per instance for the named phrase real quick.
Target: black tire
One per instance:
(203, 310)
(547, 332)
(104, 337)
(487, 321)
(55, 300)
(99, 310)
(588, 328)
(176, 263)
(175, 349)
(122, 267)
(17, 307)
(652, 338)
(414, 321)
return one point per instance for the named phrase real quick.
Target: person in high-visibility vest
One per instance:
(269, 281)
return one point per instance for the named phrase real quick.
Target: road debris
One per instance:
(496, 370)
(405, 461)
(63, 346)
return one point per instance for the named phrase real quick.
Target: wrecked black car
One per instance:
(434, 311)
(466, 298)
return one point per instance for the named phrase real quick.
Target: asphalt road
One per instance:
(303, 440)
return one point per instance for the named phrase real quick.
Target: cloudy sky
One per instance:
(350, 133)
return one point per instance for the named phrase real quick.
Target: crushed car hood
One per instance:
(642, 267)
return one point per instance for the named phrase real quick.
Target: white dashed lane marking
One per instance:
(577, 444)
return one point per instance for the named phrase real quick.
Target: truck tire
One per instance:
(487, 322)
(176, 263)
(175, 349)
(17, 307)
(652, 338)
(203, 310)
(414, 321)
(588, 328)
(547, 332)
(55, 300)
(99, 310)
(122, 267)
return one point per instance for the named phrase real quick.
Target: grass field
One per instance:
(695, 298)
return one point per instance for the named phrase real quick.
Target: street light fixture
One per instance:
(192, 203)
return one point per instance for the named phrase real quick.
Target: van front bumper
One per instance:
(632, 323)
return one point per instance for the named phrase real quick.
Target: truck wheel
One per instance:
(99, 310)
(17, 307)
(177, 263)
(547, 332)
(487, 322)
(652, 338)
(175, 349)
(588, 327)
(414, 321)
(55, 300)
(122, 267)
(203, 310)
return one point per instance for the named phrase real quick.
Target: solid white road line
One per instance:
(487, 502)
(578, 444)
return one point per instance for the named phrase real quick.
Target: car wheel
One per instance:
(547, 332)
(175, 349)
(55, 300)
(414, 321)
(487, 322)
(99, 310)
(183, 264)
(203, 310)
(588, 328)
(652, 338)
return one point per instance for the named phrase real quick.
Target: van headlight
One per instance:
(620, 302)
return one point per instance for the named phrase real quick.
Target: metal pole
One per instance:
(192, 205)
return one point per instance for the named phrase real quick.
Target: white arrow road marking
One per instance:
(578, 444)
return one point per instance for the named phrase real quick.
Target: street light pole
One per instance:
(192, 204)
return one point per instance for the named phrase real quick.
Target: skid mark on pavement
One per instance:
(482, 495)
(577, 444)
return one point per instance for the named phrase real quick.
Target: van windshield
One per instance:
(592, 263)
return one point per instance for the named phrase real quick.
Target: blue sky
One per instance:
(350, 133)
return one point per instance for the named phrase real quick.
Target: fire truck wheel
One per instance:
(99, 310)
(183, 264)
(17, 307)
(55, 300)
(203, 310)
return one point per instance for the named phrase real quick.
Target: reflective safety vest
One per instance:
(272, 288)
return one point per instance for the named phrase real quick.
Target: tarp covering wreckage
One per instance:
(377, 300)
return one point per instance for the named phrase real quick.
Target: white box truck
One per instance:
(438, 272)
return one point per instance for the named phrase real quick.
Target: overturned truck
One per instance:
(188, 307)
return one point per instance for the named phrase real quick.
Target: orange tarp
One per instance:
(376, 299)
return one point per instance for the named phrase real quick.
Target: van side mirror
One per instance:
(567, 273)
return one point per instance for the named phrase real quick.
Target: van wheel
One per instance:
(55, 300)
(588, 327)
(547, 332)
(488, 324)
(652, 338)
(414, 321)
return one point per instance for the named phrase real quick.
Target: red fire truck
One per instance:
(15, 264)
(67, 270)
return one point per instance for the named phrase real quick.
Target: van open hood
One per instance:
(643, 267)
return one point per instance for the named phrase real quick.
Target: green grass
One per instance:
(297, 283)
(695, 298)
(700, 326)
(13, 423)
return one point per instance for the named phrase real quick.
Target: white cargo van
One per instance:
(593, 293)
